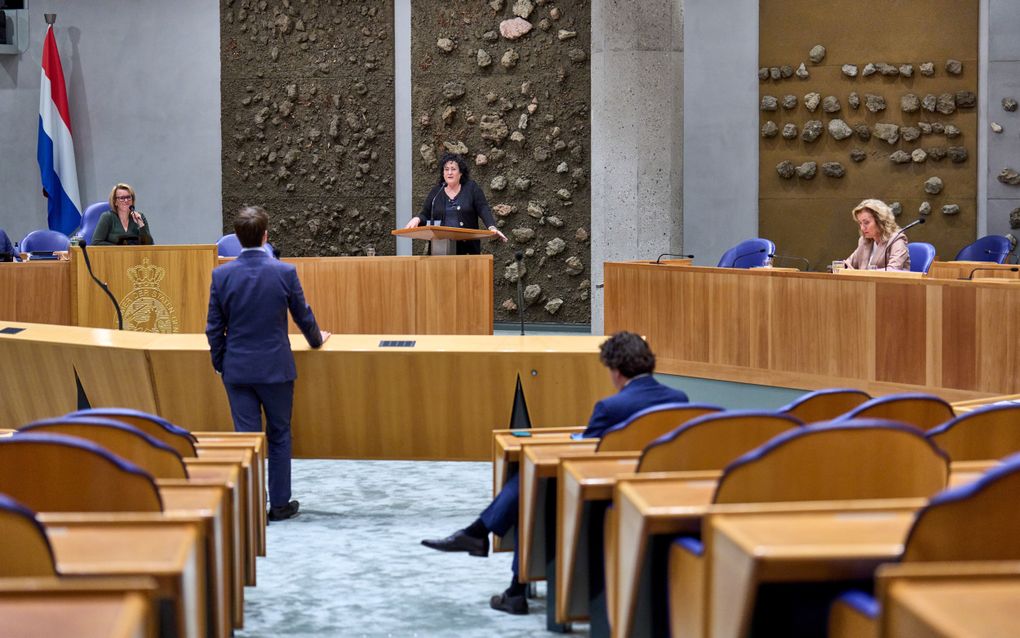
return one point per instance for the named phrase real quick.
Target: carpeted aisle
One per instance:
(351, 563)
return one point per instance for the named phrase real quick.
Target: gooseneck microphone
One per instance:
(519, 258)
(106, 289)
(970, 276)
(804, 260)
(898, 233)
(659, 258)
(747, 254)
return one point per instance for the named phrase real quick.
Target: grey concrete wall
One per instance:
(1003, 150)
(143, 82)
(637, 118)
(720, 96)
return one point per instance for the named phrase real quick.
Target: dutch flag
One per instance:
(56, 148)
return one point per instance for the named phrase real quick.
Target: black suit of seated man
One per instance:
(630, 364)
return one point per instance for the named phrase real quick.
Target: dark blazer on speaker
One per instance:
(470, 206)
(642, 392)
(247, 323)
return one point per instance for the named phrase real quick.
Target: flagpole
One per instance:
(50, 18)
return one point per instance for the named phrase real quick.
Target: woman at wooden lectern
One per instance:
(456, 201)
(882, 246)
(122, 224)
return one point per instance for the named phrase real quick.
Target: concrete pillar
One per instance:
(636, 134)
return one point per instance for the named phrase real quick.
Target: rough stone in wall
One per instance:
(1009, 104)
(833, 169)
(1009, 176)
(924, 209)
(789, 131)
(933, 185)
(897, 209)
(786, 169)
(1014, 218)
(839, 129)
(307, 114)
(807, 170)
(812, 129)
(527, 112)
(951, 209)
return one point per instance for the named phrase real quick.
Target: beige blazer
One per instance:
(898, 255)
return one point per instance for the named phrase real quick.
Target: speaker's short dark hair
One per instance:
(628, 354)
(250, 225)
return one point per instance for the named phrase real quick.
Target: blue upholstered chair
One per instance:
(748, 254)
(990, 432)
(971, 523)
(635, 433)
(44, 240)
(993, 248)
(25, 550)
(711, 441)
(155, 457)
(89, 220)
(916, 408)
(80, 476)
(921, 256)
(823, 405)
(230, 246)
(179, 439)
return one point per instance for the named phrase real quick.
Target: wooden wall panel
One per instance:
(454, 295)
(811, 218)
(959, 337)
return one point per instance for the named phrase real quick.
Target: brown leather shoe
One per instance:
(517, 605)
(459, 541)
(283, 512)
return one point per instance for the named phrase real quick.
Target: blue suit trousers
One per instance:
(247, 402)
(501, 515)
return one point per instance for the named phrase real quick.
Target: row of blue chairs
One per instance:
(52, 240)
(754, 253)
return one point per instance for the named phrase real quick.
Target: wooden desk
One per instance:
(963, 269)
(79, 614)
(744, 552)
(960, 608)
(353, 398)
(166, 289)
(171, 553)
(814, 330)
(36, 291)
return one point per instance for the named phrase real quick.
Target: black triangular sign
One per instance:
(519, 418)
(83, 399)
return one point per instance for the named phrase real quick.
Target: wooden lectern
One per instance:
(442, 237)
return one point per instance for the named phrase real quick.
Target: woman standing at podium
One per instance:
(882, 246)
(122, 224)
(456, 201)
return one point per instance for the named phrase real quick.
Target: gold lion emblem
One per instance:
(146, 308)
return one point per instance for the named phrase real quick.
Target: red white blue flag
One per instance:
(56, 148)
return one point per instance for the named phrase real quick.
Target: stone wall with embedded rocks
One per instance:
(506, 83)
(861, 108)
(1003, 118)
(307, 121)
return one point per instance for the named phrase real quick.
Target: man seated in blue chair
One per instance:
(630, 362)
(7, 252)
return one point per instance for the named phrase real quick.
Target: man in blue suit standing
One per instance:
(630, 362)
(247, 331)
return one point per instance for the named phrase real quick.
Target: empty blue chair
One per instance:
(89, 220)
(922, 410)
(230, 246)
(823, 405)
(44, 241)
(752, 253)
(921, 256)
(26, 550)
(993, 248)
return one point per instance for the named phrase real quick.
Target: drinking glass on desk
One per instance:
(838, 265)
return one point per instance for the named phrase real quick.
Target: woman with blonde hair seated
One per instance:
(122, 224)
(882, 245)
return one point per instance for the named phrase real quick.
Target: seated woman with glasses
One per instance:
(122, 224)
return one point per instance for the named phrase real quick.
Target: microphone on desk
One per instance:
(106, 289)
(519, 258)
(748, 254)
(920, 220)
(970, 276)
(807, 264)
(659, 259)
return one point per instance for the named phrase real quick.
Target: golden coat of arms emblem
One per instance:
(146, 308)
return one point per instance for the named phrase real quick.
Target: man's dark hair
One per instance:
(628, 354)
(465, 171)
(250, 225)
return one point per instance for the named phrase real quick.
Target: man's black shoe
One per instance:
(460, 542)
(283, 512)
(517, 605)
